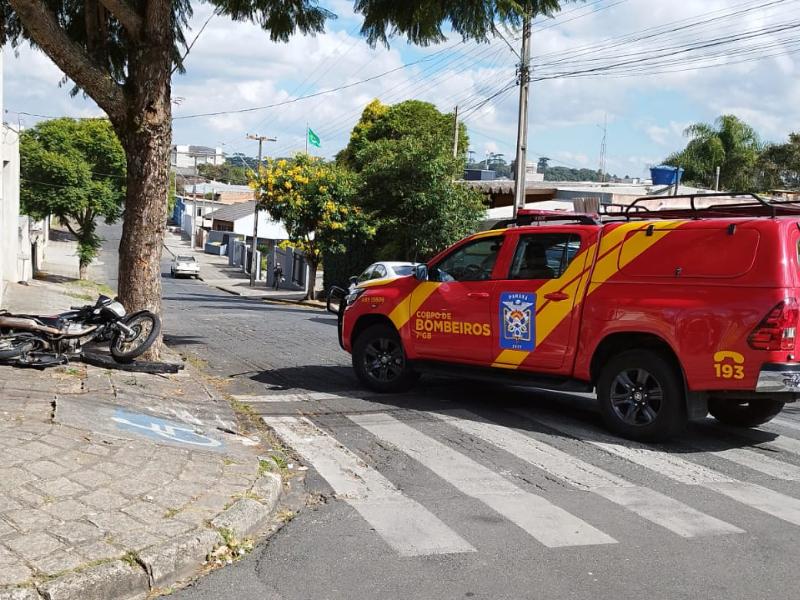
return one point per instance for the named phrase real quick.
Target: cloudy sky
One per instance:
(647, 67)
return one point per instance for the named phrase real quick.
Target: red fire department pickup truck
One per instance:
(667, 314)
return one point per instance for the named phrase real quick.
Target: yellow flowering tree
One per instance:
(314, 200)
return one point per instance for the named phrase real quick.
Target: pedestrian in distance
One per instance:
(277, 276)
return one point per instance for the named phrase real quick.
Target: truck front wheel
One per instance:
(744, 413)
(641, 396)
(380, 361)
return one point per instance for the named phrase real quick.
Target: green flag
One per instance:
(313, 138)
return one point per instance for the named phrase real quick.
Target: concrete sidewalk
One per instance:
(116, 484)
(216, 272)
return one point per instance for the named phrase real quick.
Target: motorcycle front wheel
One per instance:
(145, 326)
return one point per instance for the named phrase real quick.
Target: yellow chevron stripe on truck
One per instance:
(615, 252)
(409, 305)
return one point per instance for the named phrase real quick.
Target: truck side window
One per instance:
(544, 256)
(472, 262)
(380, 271)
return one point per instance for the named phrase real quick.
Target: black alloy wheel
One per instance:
(642, 395)
(636, 396)
(380, 361)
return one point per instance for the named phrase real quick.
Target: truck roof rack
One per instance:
(706, 206)
(528, 216)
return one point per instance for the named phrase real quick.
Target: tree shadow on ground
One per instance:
(53, 278)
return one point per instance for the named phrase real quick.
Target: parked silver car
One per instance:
(185, 266)
(383, 270)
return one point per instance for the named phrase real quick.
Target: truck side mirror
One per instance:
(353, 280)
(421, 272)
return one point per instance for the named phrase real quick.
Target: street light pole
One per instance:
(522, 125)
(260, 139)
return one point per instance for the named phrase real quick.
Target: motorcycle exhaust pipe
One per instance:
(27, 325)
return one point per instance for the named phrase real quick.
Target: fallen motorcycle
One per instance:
(37, 341)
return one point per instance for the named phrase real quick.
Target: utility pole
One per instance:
(194, 205)
(603, 150)
(260, 139)
(455, 133)
(522, 125)
(716, 181)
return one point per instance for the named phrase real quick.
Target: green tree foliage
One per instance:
(226, 173)
(570, 174)
(314, 200)
(730, 144)
(74, 170)
(779, 165)
(404, 154)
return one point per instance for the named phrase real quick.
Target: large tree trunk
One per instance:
(146, 135)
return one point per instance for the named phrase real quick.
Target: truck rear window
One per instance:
(710, 253)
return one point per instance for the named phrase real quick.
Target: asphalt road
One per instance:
(464, 490)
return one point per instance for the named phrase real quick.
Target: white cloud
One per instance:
(234, 65)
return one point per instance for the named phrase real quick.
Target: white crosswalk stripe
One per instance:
(750, 459)
(551, 525)
(779, 442)
(755, 496)
(403, 523)
(299, 396)
(648, 504)
(788, 423)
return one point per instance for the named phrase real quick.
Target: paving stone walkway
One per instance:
(99, 465)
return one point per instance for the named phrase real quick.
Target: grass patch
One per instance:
(131, 558)
(286, 515)
(171, 512)
(264, 466)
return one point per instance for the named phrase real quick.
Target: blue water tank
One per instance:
(665, 175)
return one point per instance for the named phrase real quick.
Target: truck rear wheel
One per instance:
(642, 396)
(380, 361)
(744, 413)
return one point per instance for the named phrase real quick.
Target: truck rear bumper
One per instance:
(779, 378)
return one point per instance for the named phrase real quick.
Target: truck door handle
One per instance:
(556, 296)
(478, 295)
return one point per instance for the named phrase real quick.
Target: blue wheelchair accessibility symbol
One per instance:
(160, 430)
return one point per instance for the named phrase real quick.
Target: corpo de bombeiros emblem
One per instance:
(517, 321)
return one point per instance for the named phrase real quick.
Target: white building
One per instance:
(183, 157)
(15, 242)
(238, 218)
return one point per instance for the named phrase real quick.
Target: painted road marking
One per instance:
(755, 496)
(282, 396)
(781, 442)
(648, 504)
(791, 424)
(750, 459)
(160, 429)
(551, 525)
(403, 523)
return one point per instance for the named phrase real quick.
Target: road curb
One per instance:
(118, 580)
(179, 558)
(19, 594)
(247, 516)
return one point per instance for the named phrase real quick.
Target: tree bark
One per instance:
(146, 135)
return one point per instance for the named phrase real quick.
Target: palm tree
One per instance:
(730, 144)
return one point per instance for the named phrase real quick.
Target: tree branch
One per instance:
(130, 19)
(44, 30)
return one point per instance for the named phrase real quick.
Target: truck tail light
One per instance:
(778, 330)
